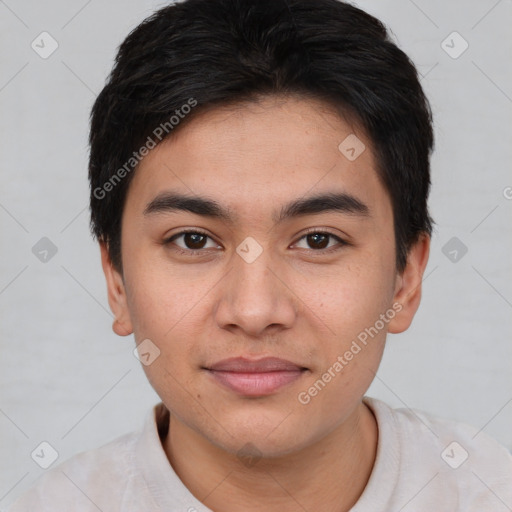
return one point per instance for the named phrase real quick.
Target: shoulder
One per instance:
(85, 481)
(460, 442)
(447, 457)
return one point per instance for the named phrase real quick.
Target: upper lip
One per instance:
(244, 365)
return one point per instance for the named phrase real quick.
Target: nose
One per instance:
(255, 297)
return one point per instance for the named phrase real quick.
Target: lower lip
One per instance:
(256, 384)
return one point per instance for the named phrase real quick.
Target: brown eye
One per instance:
(319, 240)
(190, 241)
(194, 240)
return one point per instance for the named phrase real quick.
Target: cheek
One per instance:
(349, 354)
(165, 312)
(349, 298)
(162, 298)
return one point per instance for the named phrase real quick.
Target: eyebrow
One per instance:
(342, 202)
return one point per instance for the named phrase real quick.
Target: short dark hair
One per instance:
(196, 55)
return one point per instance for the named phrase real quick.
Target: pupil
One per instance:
(193, 240)
(319, 239)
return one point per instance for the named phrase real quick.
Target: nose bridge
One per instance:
(252, 280)
(252, 267)
(253, 297)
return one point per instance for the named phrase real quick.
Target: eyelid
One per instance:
(184, 231)
(326, 231)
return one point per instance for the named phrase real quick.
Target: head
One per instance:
(292, 140)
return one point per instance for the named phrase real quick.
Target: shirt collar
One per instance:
(170, 493)
(167, 490)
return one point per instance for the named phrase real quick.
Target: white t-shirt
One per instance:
(423, 464)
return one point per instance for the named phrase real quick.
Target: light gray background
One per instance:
(68, 380)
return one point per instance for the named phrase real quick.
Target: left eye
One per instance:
(319, 240)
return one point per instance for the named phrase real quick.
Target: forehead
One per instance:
(262, 154)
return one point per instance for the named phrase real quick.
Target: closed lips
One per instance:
(265, 365)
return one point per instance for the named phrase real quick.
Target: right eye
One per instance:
(191, 241)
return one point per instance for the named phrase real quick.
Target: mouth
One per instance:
(255, 378)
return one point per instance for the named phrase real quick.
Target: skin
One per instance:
(297, 301)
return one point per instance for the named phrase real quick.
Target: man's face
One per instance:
(300, 288)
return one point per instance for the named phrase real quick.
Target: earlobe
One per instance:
(122, 324)
(120, 328)
(408, 285)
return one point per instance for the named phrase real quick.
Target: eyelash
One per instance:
(193, 252)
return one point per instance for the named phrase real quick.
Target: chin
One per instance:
(269, 437)
(256, 447)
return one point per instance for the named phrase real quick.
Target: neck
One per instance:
(327, 476)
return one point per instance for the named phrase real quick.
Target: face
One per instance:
(269, 308)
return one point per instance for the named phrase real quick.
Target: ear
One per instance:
(408, 285)
(116, 295)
